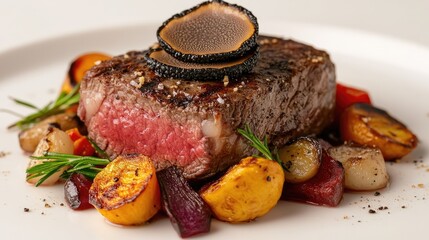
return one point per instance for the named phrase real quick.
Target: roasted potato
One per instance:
(29, 138)
(367, 125)
(79, 67)
(126, 191)
(57, 141)
(365, 168)
(248, 190)
(301, 159)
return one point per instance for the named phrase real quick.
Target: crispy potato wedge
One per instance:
(301, 159)
(367, 125)
(29, 138)
(55, 140)
(248, 190)
(79, 67)
(365, 168)
(126, 191)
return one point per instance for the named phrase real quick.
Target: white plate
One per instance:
(395, 73)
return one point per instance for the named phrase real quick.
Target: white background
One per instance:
(26, 21)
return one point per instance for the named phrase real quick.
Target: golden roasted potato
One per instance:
(367, 125)
(301, 159)
(79, 67)
(29, 138)
(126, 191)
(57, 141)
(365, 168)
(248, 190)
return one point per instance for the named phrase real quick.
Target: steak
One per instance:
(193, 124)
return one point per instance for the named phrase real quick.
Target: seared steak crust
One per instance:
(192, 124)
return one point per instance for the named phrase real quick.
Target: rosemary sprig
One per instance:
(88, 166)
(100, 152)
(62, 103)
(261, 146)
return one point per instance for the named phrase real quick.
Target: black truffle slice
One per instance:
(211, 31)
(165, 65)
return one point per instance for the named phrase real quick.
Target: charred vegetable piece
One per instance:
(167, 66)
(367, 125)
(82, 146)
(79, 67)
(346, 96)
(126, 191)
(76, 191)
(326, 188)
(248, 190)
(301, 159)
(210, 32)
(187, 211)
(55, 140)
(29, 138)
(365, 169)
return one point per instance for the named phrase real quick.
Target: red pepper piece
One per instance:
(347, 96)
(74, 134)
(82, 147)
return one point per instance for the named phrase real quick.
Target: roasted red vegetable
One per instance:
(346, 96)
(74, 134)
(82, 146)
(76, 190)
(188, 213)
(325, 188)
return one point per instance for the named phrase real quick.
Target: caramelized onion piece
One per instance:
(166, 65)
(211, 31)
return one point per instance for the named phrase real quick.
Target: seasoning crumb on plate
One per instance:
(4, 154)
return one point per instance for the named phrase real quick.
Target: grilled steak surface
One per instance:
(192, 124)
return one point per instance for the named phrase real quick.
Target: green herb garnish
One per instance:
(88, 166)
(261, 146)
(100, 152)
(62, 103)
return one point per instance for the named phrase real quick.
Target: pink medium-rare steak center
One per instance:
(136, 131)
(193, 124)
